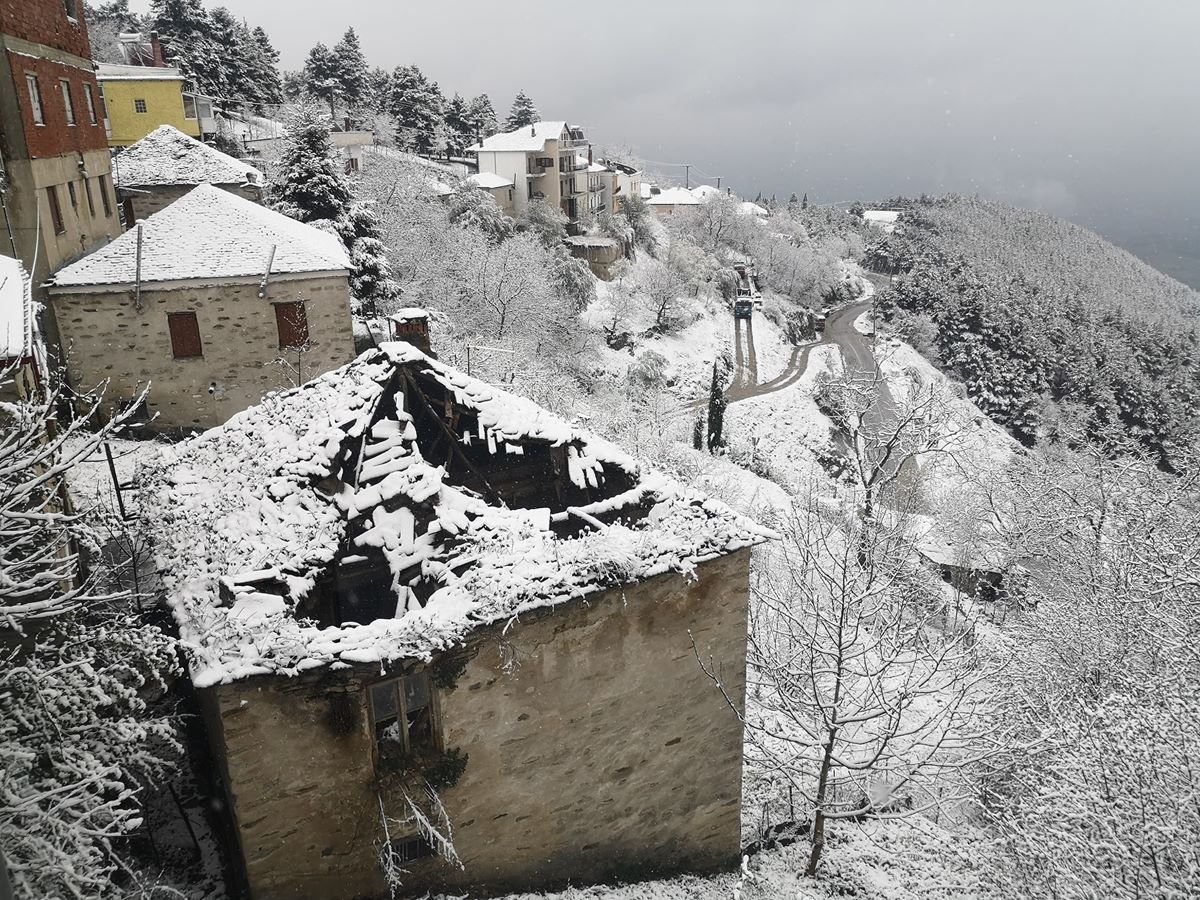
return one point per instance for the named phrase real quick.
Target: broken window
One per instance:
(402, 715)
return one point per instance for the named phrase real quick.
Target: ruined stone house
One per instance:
(209, 304)
(432, 625)
(166, 164)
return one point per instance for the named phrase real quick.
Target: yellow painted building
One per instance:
(138, 99)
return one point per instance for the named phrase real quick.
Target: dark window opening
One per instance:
(292, 321)
(56, 216)
(71, 8)
(72, 194)
(87, 189)
(410, 849)
(402, 715)
(104, 196)
(185, 335)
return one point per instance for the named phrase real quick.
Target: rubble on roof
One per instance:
(476, 506)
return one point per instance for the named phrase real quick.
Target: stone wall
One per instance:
(596, 749)
(146, 201)
(104, 336)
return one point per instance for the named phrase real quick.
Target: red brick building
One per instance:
(57, 190)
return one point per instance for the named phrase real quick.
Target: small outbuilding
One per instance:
(445, 641)
(166, 164)
(208, 305)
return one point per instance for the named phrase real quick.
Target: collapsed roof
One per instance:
(388, 508)
(167, 156)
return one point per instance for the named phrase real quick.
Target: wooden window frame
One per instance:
(302, 337)
(37, 109)
(104, 196)
(56, 216)
(89, 97)
(68, 101)
(396, 685)
(178, 348)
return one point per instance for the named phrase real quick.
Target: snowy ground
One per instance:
(896, 860)
(91, 483)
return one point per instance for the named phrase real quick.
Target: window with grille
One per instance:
(68, 104)
(185, 335)
(139, 106)
(35, 100)
(56, 216)
(410, 849)
(292, 322)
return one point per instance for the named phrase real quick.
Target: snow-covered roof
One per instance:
(255, 516)
(646, 189)
(749, 208)
(704, 191)
(597, 167)
(119, 72)
(489, 180)
(527, 138)
(884, 219)
(168, 156)
(16, 310)
(209, 233)
(675, 196)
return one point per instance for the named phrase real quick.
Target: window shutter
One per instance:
(185, 335)
(292, 322)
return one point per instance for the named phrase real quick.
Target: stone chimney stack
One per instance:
(160, 61)
(412, 326)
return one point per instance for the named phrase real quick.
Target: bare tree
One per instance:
(861, 701)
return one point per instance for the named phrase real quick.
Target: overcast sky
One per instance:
(1089, 109)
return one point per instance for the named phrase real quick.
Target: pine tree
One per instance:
(186, 29)
(716, 411)
(352, 76)
(233, 78)
(416, 105)
(482, 116)
(321, 74)
(379, 89)
(371, 282)
(523, 113)
(804, 201)
(458, 125)
(309, 184)
(266, 70)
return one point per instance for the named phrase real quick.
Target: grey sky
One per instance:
(1089, 109)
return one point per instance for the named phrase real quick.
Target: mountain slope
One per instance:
(1050, 327)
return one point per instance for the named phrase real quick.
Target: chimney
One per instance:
(160, 61)
(412, 326)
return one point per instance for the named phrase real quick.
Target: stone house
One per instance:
(166, 164)
(209, 304)
(434, 626)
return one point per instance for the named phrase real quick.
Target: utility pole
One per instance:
(718, 182)
(687, 176)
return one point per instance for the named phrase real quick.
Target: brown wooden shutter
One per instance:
(185, 335)
(292, 322)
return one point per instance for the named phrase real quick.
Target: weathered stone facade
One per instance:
(146, 201)
(596, 748)
(105, 336)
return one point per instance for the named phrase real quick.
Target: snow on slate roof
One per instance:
(489, 180)
(16, 310)
(118, 71)
(168, 156)
(704, 191)
(529, 137)
(209, 233)
(676, 195)
(281, 492)
(749, 208)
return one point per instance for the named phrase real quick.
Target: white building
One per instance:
(545, 161)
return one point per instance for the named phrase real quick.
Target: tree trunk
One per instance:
(818, 829)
